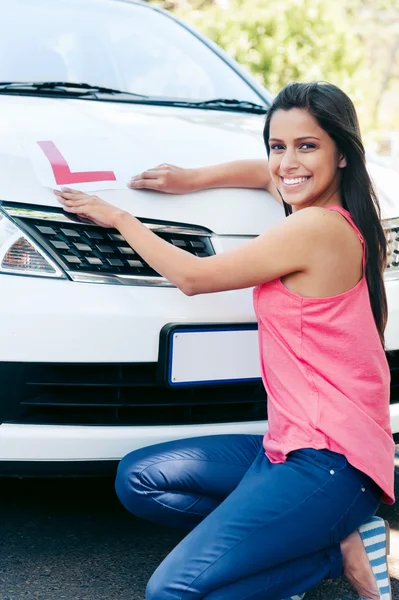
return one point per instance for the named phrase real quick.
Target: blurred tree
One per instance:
(377, 24)
(353, 43)
(282, 41)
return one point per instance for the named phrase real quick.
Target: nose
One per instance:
(289, 161)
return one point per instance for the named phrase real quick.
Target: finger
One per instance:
(71, 209)
(60, 193)
(140, 175)
(146, 184)
(140, 182)
(71, 190)
(157, 168)
(69, 196)
(147, 176)
(137, 182)
(153, 174)
(74, 203)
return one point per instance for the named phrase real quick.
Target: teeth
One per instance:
(294, 181)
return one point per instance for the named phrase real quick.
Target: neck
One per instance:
(331, 198)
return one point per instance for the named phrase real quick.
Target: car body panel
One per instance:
(40, 443)
(63, 321)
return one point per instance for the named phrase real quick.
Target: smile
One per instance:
(294, 181)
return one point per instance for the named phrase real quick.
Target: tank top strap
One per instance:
(346, 214)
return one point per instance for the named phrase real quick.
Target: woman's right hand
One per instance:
(165, 178)
(249, 173)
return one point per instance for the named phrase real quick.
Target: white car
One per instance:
(99, 355)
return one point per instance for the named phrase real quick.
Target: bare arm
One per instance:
(177, 180)
(287, 248)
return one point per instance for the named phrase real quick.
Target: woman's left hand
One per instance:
(88, 206)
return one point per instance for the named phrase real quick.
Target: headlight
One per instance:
(391, 227)
(20, 255)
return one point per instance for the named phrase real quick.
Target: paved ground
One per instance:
(70, 540)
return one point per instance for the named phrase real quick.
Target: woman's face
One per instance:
(304, 161)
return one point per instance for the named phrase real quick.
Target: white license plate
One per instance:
(209, 356)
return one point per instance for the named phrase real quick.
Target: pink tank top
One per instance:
(326, 376)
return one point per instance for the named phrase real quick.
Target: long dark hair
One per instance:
(336, 114)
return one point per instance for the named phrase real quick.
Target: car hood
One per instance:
(125, 139)
(122, 139)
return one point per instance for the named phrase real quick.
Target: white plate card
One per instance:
(200, 356)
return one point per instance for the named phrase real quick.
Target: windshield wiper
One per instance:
(61, 87)
(89, 91)
(221, 104)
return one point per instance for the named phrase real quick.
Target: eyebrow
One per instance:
(305, 137)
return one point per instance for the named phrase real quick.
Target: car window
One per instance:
(112, 44)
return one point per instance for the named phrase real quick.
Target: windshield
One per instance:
(112, 44)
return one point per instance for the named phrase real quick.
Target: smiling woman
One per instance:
(305, 169)
(336, 169)
(276, 515)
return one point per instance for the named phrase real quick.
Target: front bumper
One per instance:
(73, 444)
(76, 443)
(68, 322)
(85, 354)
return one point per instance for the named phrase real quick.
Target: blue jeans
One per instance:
(260, 531)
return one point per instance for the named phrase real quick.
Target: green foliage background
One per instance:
(352, 43)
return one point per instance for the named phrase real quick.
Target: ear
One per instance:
(342, 162)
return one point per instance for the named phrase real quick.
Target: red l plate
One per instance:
(63, 174)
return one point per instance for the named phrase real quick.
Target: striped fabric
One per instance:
(375, 536)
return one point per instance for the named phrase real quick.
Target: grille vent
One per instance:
(118, 394)
(84, 248)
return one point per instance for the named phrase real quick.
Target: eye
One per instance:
(277, 147)
(307, 146)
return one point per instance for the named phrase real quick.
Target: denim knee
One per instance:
(128, 484)
(154, 589)
(161, 585)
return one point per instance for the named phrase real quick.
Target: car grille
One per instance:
(123, 394)
(84, 248)
(127, 394)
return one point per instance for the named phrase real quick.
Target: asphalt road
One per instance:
(70, 540)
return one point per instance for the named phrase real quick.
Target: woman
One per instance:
(274, 516)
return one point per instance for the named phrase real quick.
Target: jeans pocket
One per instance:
(325, 459)
(363, 507)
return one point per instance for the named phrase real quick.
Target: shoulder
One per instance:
(320, 228)
(313, 214)
(328, 231)
(315, 220)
